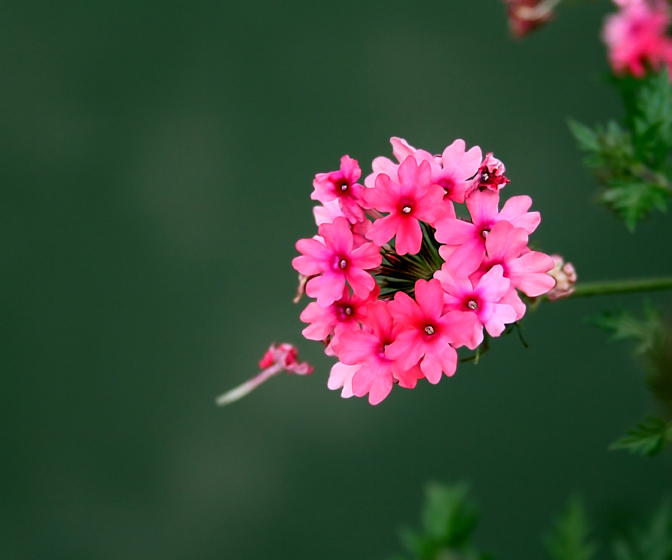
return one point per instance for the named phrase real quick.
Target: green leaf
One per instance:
(632, 201)
(624, 325)
(569, 538)
(586, 137)
(652, 543)
(448, 515)
(448, 521)
(647, 438)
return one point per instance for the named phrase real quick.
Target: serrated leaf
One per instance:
(624, 325)
(647, 438)
(652, 543)
(632, 201)
(569, 538)
(448, 516)
(585, 136)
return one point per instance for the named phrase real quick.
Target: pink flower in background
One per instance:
(412, 199)
(334, 261)
(636, 36)
(526, 15)
(283, 357)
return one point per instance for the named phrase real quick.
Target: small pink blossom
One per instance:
(378, 372)
(455, 170)
(283, 357)
(482, 298)
(636, 36)
(528, 270)
(470, 237)
(526, 15)
(413, 199)
(334, 261)
(427, 334)
(401, 150)
(341, 377)
(346, 312)
(341, 185)
(331, 210)
(490, 176)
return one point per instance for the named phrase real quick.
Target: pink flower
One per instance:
(346, 312)
(482, 298)
(415, 198)
(401, 150)
(341, 377)
(490, 175)
(427, 334)
(455, 169)
(526, 15)
(636, 36)
(334, 261)
(470, 237)
(283, 357)
(528, 270)
(377, 373)
(342, 186)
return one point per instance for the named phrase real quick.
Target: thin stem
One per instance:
(239, 392)
(590, 289)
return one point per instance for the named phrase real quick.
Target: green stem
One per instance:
(622, 287)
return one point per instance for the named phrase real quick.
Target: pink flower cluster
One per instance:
(636, 36)
(400, 280)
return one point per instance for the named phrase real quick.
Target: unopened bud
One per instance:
(564, 275)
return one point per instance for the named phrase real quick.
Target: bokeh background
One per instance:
(156, 164)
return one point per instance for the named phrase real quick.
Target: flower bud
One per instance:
(565, 277)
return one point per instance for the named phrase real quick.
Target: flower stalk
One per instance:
(590, 289)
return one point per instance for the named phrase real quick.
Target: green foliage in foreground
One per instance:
(653, 344)
(569, 538)
(654, 542)
(448, 523)
(449, 520)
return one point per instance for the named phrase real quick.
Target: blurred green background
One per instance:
(156, 163)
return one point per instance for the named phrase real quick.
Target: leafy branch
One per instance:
(653, 343)
(631, 159)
